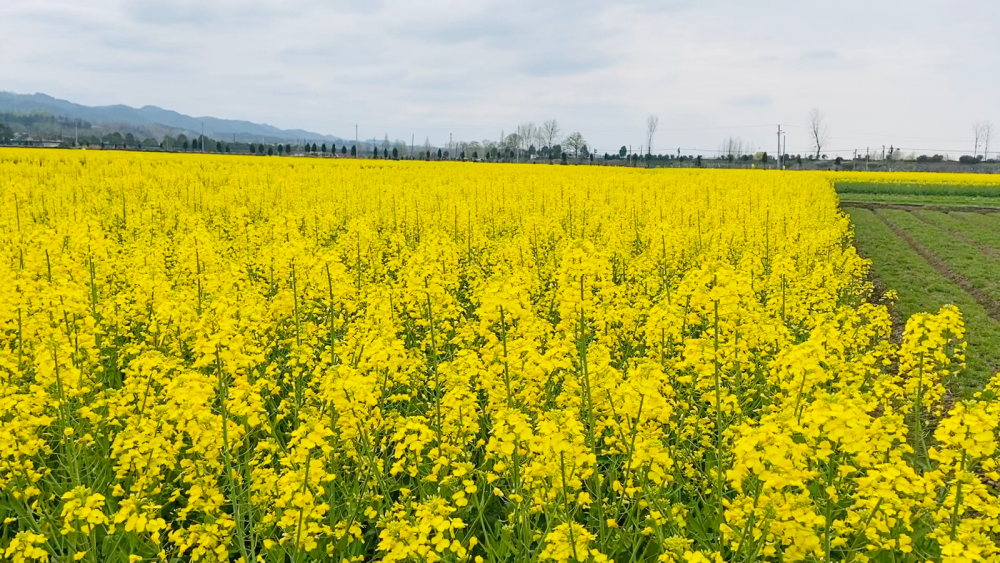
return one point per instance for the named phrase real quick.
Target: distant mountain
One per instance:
(149, 117)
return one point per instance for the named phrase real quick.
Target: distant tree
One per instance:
(375, 152)
(622, 151)
(606, 156)
(591, 158)
(818, 131)
(385, 152)
(314, 149)
(987, 138)
(322, 148)
(253, 149)
(354, 150)
(475, 155)
(697, 161)
(281, 149)
(395, 153)
(982, 134)
(577, 143)
(270, 151)
(763, 157)
(288, 149)
(462, 155)
(977, 135)
(218, 146)
(549, 133)
(185, 145)
(525, 133)
(227, 147)
(652, 122)
(563, 156)
(439, 154)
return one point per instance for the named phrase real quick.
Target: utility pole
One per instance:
(883, 153)
(777, 161)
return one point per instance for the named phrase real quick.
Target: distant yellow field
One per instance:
(933, 178)
(215, 358)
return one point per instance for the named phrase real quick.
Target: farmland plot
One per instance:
(276, 359)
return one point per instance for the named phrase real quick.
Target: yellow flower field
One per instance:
(207, 358)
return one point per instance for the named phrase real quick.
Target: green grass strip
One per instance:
(987, 191)
(942, 200)
(921, 288)
(980, 229)
(979, 268)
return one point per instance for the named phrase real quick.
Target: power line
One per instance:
(883, 135)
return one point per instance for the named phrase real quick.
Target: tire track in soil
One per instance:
(984, 248)
(991, 307)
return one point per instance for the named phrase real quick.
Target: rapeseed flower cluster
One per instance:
(214, 358)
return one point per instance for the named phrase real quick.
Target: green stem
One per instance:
(718, 412)
(958, 497)
(569, 519)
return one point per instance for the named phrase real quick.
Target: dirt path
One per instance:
(992, 307)
(876, 205)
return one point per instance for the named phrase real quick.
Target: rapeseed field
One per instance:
(208, 358)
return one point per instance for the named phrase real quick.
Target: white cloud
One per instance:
(894, 71)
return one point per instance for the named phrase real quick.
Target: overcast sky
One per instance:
(912, 73)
